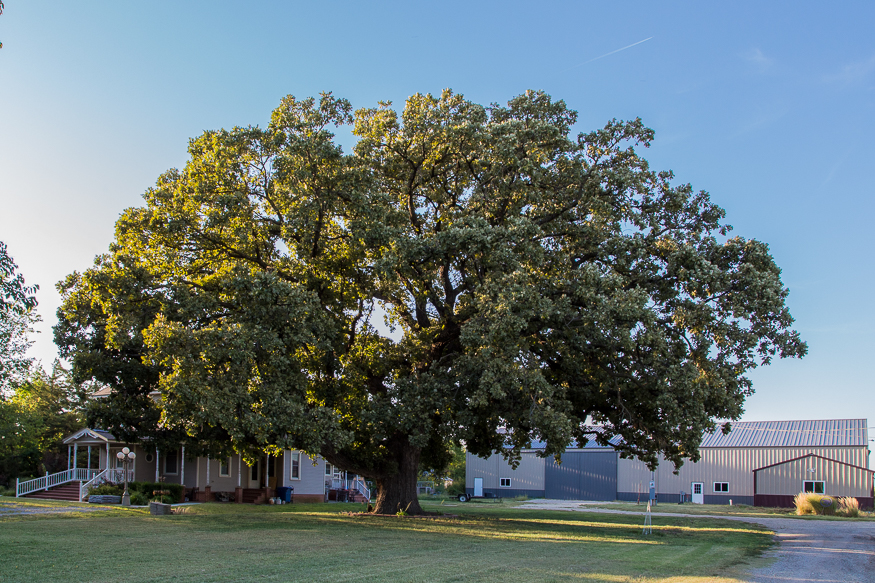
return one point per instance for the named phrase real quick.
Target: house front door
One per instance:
(697, 493)
(478, 486)
(255, 475)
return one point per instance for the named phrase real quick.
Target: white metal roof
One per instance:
(815, 433)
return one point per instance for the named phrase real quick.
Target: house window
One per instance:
(814, 487)
(295, 466)
(150, 458)
(170, 463)
(328, 470)
(225, 468)
(255, 472)
(505, 483)
(721, 486)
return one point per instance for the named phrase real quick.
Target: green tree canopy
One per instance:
(17, 315)
(539, 285)
(43, 409)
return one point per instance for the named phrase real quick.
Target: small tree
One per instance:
(541, 283)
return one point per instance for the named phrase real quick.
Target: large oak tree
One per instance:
(538, 285)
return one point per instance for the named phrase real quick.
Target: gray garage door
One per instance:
(590, 475)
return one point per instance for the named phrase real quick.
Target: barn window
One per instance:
(721, 486)
(505, 483)
(813, 486)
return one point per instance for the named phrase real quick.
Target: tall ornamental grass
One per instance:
(809, 503)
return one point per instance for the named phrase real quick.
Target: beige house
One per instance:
(228, 479)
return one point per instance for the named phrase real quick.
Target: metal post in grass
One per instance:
(127, 457)
(648, 521)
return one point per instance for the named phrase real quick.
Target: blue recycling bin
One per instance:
(285, 494)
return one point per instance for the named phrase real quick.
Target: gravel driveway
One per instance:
(17, 509)
(813, 551)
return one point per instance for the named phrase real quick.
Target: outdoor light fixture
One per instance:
(126, 456)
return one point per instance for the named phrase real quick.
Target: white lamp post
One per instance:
(126, 456)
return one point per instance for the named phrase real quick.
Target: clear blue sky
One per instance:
(768, 106)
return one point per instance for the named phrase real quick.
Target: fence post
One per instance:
(16, 487)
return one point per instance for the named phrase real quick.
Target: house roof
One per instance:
(815, 433)
(87, 433)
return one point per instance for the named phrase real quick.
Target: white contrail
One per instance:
(608, 54)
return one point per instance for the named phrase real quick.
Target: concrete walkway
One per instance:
(812, 551)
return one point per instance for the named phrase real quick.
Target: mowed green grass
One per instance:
(319, 542)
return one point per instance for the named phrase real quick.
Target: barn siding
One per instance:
(839, 479)
(527, 478)
(732, 465)
(727, 458)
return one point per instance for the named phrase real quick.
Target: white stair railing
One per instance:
(108, 476)
(52, 480)
(349, 484)
(363, 488)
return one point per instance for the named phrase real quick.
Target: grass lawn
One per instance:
(723, 510)
(319, 542)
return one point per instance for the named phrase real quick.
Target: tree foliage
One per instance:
(17, 316)
(550, 286)
(43, 409)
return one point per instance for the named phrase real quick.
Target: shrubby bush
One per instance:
(139, 499)
(168, 493)
(107, 490)
(145, 492)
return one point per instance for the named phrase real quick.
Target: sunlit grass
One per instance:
(714, 510)
(322, 542)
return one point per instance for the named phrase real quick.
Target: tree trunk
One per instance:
(399, 492)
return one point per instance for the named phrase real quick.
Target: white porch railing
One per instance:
(350, 484)
(52, 480)
(108, 476)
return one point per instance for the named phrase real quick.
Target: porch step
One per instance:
(68, 491)
(253, 496)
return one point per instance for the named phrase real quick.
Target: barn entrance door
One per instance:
(478, 486)
(697, 493)
(589, 475)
